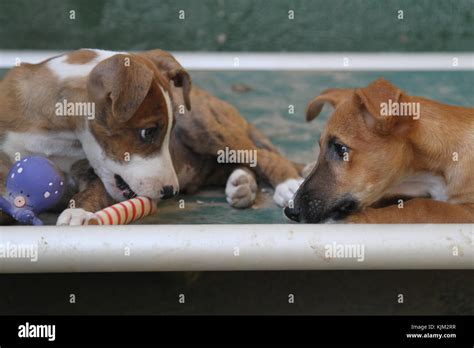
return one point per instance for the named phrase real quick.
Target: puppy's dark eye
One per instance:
(337, 150)
(148, 135)
(341, 150)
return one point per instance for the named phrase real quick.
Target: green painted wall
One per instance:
(239, 25)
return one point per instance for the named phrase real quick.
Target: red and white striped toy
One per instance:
(125, 212)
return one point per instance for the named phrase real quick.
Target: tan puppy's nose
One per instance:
(292, 213)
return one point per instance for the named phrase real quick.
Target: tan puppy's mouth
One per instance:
(122, 185)
(315, 210)
(343, 209)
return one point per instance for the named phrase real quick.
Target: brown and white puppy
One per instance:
(128, 145)
(367, 156)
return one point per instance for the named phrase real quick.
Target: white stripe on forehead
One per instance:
(64, 70)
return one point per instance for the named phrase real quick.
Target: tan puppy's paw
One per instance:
(285, 191)
(241, 189)
(75, 217)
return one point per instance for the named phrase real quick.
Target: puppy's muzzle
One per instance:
(167, 192)
(292, 213)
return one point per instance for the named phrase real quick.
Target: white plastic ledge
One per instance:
(237, 247)
(286, 61)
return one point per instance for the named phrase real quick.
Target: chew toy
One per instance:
(125, 212)
(33, 185)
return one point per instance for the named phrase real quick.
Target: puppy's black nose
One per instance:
(167, 192)
(292, 213)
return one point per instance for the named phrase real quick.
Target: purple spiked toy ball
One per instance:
(33, 185)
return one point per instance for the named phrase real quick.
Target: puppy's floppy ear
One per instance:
(173, 70)
(122, 79)
(372, 98)
(333, 96)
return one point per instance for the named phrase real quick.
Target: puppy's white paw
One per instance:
(75, 217)
(241, 189)
(285, 191)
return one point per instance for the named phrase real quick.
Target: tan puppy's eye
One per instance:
(341, 150)
(149, 135)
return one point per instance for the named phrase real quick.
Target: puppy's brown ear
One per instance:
(122, 81)
(333, 96)
(173, 70)
(373, 98)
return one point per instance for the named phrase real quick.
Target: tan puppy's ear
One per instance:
(378, 92)
(124, 81)
(333, 96)
(166, 63)
(373, 98)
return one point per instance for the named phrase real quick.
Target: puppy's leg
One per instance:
(91, 197)
(418, 210)
(281, 173)
(241, 188)
(214, 125)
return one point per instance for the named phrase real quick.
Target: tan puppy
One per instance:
(380, 142)
(106, 119)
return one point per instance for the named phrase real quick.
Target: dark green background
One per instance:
(239, 25)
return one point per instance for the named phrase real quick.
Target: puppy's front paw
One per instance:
(241, 189)
(285, 191)
(75, 217)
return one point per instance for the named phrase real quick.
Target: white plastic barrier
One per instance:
(289, 61)
(235, 247)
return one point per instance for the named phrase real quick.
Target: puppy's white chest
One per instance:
(422, 184)
(62, 148)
